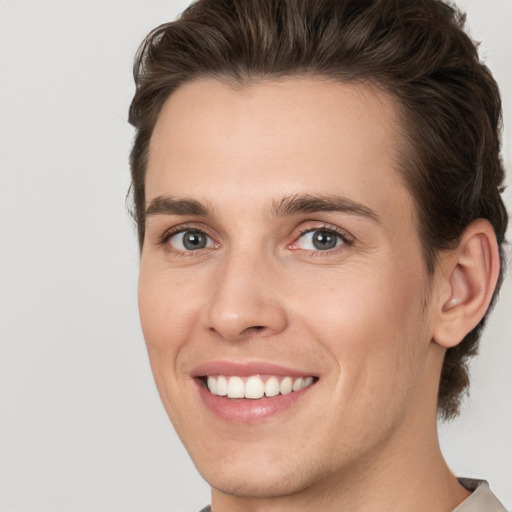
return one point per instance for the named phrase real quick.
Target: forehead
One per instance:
(276, 138)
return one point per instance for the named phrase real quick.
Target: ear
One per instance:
(468, 277)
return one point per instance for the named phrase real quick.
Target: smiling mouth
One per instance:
(255, 386)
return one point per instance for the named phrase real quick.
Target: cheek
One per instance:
(372, 324)
(166, 320)
(165, 305)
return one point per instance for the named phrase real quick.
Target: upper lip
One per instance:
(246, 369)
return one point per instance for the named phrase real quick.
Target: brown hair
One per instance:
(416, 50)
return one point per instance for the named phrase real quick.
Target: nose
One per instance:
(246, 301)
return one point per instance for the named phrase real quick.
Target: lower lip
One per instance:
(246, 410)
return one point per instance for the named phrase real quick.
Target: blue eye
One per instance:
(191, 240)
(320, 240)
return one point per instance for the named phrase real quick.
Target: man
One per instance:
(317, 191)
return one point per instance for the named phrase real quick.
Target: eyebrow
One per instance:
(171, 206)
(286, 206)
(306, 203)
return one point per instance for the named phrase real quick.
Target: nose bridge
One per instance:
(245, 298)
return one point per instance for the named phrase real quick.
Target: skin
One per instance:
(361, 316)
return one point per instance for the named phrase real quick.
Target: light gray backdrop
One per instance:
(81, 425)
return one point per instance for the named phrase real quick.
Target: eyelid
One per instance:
(346, 237)
(183, 228)
(306, 227)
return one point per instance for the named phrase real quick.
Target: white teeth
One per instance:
(212, 385)
(298, 384)
(236, 387)
(222, 386)
(272, 387)
(254, 387)
(286, 386)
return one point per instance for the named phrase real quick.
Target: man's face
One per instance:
(281, 243)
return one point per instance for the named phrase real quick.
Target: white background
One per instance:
(81, 425)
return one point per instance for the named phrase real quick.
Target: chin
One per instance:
(256, 482)
(261, 477)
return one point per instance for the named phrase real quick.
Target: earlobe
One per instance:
(470, 274)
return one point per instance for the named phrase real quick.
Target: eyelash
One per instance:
(329, 229)
(164, 239)
(326, 228)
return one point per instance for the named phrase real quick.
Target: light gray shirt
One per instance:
(481, 500)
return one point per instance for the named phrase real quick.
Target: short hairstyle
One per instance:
(415, 50)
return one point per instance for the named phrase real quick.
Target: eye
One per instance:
(319, 240)
(191, 240)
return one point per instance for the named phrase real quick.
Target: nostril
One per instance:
(254, 329)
